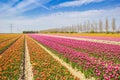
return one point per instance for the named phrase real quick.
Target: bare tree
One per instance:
(92, 27)
(72, 28)
(106, 25)
(100, 25)
(97, 27)
(78, 28)
(69, 29)
(88, 26)
(113, 25)
(85, 27)
(118, 30)
(81, 27)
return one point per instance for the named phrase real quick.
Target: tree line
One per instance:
(87, 27)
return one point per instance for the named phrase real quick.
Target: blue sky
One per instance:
(44, 14)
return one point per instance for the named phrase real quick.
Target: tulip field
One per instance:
(44, 66)
(10, 60)
(98, 60)
(95, 60)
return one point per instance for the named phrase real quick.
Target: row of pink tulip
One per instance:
(117, 39)
(100, 38)
(100, 50)
(90, 66)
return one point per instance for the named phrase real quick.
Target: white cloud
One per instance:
(76, 3)
(60, 19)
(25, 5)
(6, 6)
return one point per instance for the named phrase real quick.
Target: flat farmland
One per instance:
(59, 57)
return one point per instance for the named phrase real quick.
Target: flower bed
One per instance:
(4, 45)
(90, 66)
(10, 61)
(4, 37)
(44, 66)
(106, 52)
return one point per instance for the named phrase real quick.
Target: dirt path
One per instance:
(92, 40)
(28, 66)
(74, 72)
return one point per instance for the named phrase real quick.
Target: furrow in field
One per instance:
(28, 66)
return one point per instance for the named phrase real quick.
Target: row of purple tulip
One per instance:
(91, 66)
